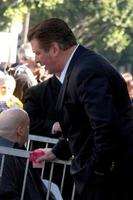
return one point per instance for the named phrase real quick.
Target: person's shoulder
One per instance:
(85, 51)
(38, 86)
(36, 91)
(42, 87)
(43, 84)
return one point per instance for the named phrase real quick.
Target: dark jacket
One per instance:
(96, 118)
(12, 178)
(40, 103)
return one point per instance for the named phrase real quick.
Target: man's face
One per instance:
(49, 59)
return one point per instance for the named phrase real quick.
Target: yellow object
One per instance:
(14, 102)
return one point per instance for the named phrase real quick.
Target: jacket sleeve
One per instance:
(61, 149)
(39, 124)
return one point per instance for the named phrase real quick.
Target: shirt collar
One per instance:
(8, 143)
(63, 73)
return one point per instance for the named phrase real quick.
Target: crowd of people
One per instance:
(80, 99)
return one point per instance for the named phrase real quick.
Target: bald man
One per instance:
(14, 129)
(14, 125)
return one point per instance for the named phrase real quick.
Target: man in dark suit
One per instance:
(94, 110)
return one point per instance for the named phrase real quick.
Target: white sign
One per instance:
(8, 47)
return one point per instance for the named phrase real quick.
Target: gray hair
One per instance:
(25, 52)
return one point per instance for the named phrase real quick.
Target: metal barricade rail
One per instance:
(25, 154)
(47, 141)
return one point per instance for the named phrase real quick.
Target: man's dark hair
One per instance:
(52, 30)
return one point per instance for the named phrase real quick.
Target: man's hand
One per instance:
(56, 128)
(48, 155)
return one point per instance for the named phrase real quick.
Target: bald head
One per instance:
(14, 125)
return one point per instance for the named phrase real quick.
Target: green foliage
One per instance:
(15, 10)
(51, 4)
(103, 25)
(117, 39)
(118, 15)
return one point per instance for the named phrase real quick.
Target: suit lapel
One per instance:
(60, 100)
(62, 92)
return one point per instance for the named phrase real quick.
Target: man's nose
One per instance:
(36, 59)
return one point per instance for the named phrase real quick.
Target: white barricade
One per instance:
(25, 154)
(47, 141)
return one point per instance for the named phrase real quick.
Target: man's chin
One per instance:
(48, 70)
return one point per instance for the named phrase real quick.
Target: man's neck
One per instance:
(65, 56)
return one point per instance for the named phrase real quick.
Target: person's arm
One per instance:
(59, 151)
(40, 122)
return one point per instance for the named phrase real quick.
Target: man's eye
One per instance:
(37, 53)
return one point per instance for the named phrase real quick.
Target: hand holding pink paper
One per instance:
(33, 157)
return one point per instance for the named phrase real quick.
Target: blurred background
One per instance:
(102, 25)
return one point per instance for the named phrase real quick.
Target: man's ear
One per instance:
(54, 49)
(20, 131)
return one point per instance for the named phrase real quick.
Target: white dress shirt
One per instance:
(63, 73)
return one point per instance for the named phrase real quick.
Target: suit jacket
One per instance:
(40, 102)
(96, 118)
